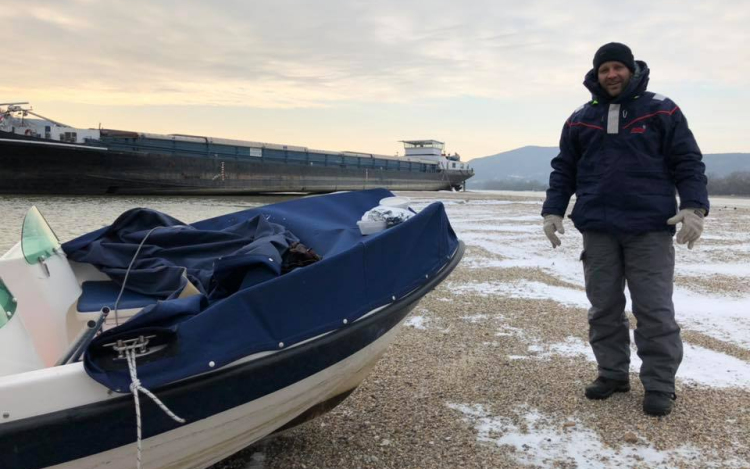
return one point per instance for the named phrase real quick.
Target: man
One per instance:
(623, 154)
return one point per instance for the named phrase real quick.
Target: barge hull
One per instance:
(34, 166)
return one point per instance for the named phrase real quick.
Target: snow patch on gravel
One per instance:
(536, 441)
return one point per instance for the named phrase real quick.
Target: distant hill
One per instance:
(526, 163)
(724, 164)
(531, 164)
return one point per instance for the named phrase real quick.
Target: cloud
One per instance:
(291, 53)
(490, 75)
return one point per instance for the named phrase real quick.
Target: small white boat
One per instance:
(234, 366)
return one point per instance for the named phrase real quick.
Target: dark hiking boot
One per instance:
(603, 387)
(658, 403)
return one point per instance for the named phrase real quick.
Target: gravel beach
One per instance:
(488, 371)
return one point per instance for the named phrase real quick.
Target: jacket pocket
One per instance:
(588, 209)
(648, 182)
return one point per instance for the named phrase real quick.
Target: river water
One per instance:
(71, 216)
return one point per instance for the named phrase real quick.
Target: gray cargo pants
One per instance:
(646, 263)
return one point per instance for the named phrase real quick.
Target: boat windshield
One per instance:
(38, 241)
(7, 304)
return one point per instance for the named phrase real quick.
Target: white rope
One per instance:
(129, 350)
(136, 386)
(127, 272)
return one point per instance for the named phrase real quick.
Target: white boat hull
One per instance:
(200, 444)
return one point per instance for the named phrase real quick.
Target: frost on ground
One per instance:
(529, 290)
(536, 441)
(515, 237)
(417, 322)
(700, 366)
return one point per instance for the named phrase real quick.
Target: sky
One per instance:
(483, 76)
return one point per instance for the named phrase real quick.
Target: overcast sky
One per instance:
(484, 76)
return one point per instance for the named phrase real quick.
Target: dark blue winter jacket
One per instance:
(623, 158)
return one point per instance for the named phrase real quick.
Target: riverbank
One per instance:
(488, 371)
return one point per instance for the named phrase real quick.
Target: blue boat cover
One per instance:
(247, 305)
(217, 262)
(96, 295)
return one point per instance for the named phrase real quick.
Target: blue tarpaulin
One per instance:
(356, 274)
(217, 262)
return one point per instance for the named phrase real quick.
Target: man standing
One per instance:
(623, 154)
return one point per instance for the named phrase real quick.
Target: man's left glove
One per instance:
(692, 225)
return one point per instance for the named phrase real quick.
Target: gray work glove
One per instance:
(553, 223)
(692, 225)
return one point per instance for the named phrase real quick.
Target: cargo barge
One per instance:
(41, 156)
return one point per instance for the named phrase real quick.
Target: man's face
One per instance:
(614, 77)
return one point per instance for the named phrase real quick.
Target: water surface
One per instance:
(72, 216)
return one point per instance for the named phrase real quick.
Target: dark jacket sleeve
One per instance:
(562, 180)
(685, 162)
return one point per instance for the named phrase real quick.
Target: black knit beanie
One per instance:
(616, 52)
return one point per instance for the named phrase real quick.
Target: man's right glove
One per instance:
(692, 225)
(553, 223)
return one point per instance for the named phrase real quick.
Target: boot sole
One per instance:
(598, 397)
(657, 413)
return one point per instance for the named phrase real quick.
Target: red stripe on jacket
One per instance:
(576, 124)
(669, 113)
